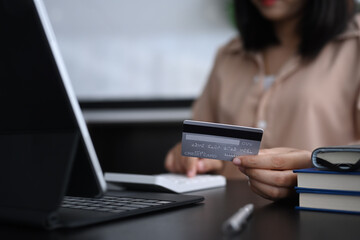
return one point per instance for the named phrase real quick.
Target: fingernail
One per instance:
(200, 166)
(237, 161)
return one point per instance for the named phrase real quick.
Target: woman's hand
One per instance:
(271, 172)
(175, 162)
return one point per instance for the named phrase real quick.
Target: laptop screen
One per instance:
(44, 141)
(31, 93)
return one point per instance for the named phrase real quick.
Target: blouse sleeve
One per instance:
(205, 108)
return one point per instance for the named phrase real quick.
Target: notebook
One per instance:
(50, 176)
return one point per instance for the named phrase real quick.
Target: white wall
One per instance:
(118, 49)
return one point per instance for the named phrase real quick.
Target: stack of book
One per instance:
(324, 190)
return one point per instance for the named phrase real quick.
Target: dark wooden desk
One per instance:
(203, 221)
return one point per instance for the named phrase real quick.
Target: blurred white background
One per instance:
(139, 49)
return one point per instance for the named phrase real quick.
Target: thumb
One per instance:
(206, 165)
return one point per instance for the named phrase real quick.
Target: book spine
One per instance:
(326, 210)
(326, 191)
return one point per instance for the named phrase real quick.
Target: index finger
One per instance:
(190, 166)
(282, 161)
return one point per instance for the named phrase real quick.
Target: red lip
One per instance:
(268, 3)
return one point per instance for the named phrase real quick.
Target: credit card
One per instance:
(219, 141)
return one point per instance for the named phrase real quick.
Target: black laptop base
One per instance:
(78, 212)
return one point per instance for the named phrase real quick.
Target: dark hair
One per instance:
(321, 22)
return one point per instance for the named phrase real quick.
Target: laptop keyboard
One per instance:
(111, 204)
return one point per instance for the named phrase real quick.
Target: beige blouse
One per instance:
(309, 104)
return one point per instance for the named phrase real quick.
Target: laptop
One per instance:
(50, 176)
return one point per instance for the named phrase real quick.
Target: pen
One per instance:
(236, 221)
